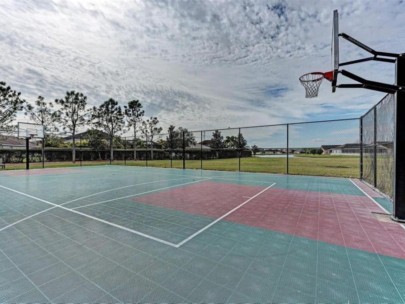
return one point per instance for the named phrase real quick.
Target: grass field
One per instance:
(322, 165)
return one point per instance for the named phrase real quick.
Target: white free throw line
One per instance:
(119, 188)
(374, 201)
(138, 194)
(92, 217)
(220, 218)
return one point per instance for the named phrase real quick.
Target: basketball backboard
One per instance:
(30, 130)
(335, 49)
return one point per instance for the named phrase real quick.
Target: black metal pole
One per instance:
(27, 153)
(125, 151)
(111, 149)
(201, 153)
(81, 151)
(146, 152)
(239, 149)
(184, 152)
(288, 148)
(43, 152)
(171, 148)
(399, 144)
(361, 147)
(375, 147)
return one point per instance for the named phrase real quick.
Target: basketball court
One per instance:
(117, 234)
(125, 234)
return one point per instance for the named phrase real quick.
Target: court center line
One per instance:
(138, 194)
(222, 217)
(93, 218)
(119, 188)
(374, 201)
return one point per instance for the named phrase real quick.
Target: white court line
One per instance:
(138, 194)
(370, 197)
(374, 201)
(26, 218)
(92, 217)
(220, 218)
(119, 188)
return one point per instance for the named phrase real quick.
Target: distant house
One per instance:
(207, 143)
(346, 149)
(354, 148)
(83, 135)
(12, 142)
(198, 147)
(327, 149)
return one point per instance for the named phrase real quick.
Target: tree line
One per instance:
(72, 112)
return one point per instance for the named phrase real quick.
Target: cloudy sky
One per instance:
(197, 64)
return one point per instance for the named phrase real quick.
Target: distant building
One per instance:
(13, 142)
(327, 149)
(83, 135)
(198, 147)
(346, 149)
(354, 148)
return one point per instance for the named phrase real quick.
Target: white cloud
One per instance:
(197, 64)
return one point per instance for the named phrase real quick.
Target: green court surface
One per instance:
(116, 234)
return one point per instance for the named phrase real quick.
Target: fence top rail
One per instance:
(279, 125)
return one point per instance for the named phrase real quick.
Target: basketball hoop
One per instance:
(312, 82)
(29, 133)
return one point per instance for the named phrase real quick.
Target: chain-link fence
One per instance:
(344, 148)
(378, 130)
(325, 148)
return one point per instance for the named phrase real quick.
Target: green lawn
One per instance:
(322, 165)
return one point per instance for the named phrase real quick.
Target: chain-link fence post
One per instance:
(27, 151)
(146, 150)
(239, 150)
(201, 150)
(125, 151)
(184, 150)
(375, 147)
(43, 152)
(171, 147)
(81, 150)
(361, 147)
(288, 149)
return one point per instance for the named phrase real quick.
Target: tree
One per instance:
(110, 118)
(235, 142)
(54, 141)
(43, 114)
(174, 140)
(134, 114)
(217, 140)
(96, 141)
(10, 104)
(72, 114)
(149, 129)
(255, 149)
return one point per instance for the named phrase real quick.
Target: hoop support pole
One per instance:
(367, 48)
(27, 151)
(399, 146)
(371, 85)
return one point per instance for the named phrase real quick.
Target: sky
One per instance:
(198, 64)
